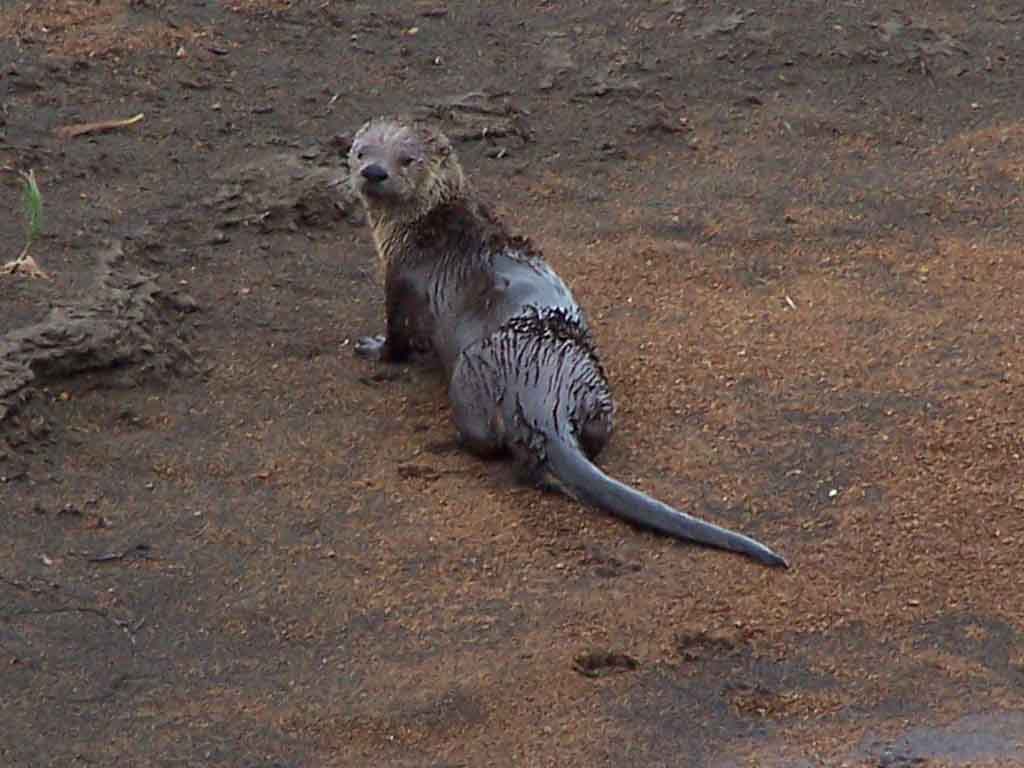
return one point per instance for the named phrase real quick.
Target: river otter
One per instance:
(522, 370)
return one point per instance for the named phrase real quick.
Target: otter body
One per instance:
(522, 370)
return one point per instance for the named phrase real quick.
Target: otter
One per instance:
(523, 373)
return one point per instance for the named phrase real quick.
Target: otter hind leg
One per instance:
(595, 433)
(476, 412)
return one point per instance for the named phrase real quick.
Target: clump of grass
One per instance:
(32, 199)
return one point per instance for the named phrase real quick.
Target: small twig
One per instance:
(141, 550)
(25, 265)
(70, 131)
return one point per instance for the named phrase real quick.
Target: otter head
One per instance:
(402, 171)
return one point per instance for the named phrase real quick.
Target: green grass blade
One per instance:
(33, 206)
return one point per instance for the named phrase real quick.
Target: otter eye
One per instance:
(407, 161)
(359, 155)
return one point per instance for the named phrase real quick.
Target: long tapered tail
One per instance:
(581, 479)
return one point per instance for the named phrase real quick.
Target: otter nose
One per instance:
(374, 173)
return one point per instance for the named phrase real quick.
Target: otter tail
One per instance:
(581, 479)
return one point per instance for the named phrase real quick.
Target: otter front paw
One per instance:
(372, 347)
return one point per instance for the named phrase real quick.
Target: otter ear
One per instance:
(363, 130)
(442, 145)
(433, 137)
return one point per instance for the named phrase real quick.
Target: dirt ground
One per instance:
(796, 227)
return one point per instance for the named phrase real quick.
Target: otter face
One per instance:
(402, 167)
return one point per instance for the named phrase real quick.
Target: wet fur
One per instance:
(523, 372)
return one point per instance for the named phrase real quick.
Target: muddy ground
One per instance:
(797, 229)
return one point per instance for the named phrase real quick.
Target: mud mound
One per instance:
(125, 318)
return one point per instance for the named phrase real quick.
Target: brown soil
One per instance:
(797, 230)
